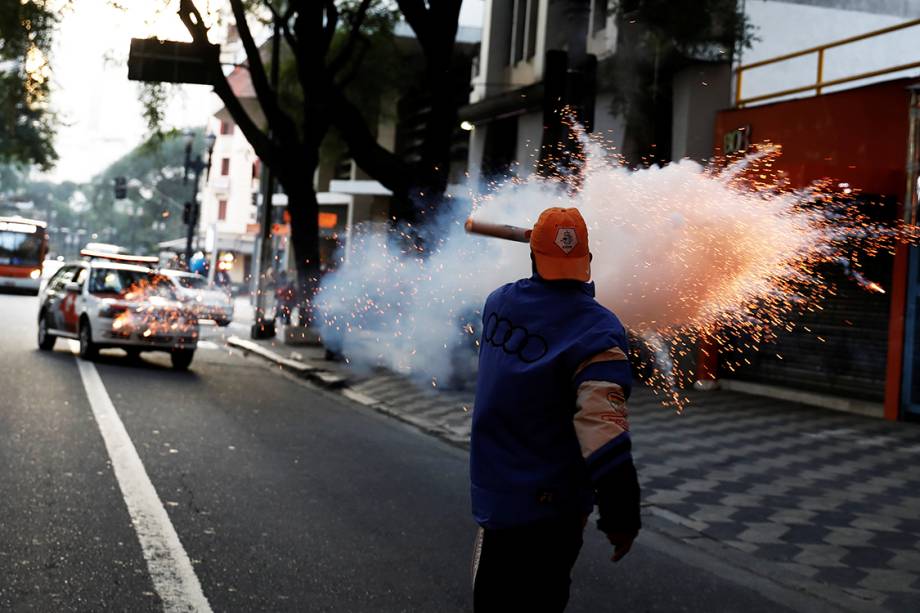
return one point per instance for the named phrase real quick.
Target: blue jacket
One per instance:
(531, 459)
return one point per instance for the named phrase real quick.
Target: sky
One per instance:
(98, 107)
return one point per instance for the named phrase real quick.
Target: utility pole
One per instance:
(264, 326)
(196, 165)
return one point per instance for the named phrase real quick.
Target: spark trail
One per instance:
(679, 251)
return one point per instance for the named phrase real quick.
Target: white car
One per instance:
(208, 302)
(112, 304)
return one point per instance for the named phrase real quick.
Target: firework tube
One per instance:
(498, 230)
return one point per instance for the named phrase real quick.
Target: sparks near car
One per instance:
(208, 302)
(23, 243)
(114, 301)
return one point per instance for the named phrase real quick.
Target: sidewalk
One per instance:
(828, 502)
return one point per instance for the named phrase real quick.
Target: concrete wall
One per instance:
(530, 135)
(901, 8)
(700, 91)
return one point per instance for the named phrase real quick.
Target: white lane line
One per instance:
(170, 568)
(208, 345)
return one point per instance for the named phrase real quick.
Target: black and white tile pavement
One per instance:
(830, 498)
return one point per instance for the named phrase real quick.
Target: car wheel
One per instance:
(223, 323)
(88, 349)
(45, 339)
(182, 358)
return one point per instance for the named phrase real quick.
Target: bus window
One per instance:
(20, 249)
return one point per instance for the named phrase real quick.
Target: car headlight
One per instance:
(35, 273)
(111, 310)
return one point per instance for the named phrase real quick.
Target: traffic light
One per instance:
(121, 188)
(187, 213)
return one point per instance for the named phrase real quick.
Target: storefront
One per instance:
(862, 346)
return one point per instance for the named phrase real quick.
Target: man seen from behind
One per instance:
(550, 435)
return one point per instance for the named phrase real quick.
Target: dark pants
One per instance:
(526, 568)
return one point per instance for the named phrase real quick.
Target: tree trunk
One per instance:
(439, 132)
(303, 209)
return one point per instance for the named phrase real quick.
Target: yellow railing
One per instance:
(820, 83)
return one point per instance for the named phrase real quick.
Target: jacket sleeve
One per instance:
(603, 384)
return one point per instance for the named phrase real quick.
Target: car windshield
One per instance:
(192, 282)
(130, 284)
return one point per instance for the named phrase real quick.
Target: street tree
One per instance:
(26, 122)
(329, 42)
(156, 193)
(655, 39)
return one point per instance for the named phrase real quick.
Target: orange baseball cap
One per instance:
(559, 243)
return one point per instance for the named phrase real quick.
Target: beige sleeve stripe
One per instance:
(613, 354)
(601, 416)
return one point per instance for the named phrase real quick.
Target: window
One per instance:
(221, 210)
(256, 169)
(131, 284)
(533, 11)
(226, 128)
(62, 277)
(20, 249)
(600, 16)
(225, 167)
(520, 19)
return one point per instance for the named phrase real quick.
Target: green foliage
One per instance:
(152, 212)
(153, 98)
(376, 67)
(692, 28)
(655, 38)
(26, 123)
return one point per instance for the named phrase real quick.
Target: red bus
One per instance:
(23, 244)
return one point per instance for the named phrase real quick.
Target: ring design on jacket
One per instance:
(514, 340)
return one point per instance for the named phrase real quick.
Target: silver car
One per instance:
(110, 304)
(208, 302)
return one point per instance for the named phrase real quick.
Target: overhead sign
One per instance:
(169, 61)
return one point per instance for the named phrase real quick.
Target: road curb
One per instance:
(324, 378)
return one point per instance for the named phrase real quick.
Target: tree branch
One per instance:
(354, 36)
(417, 16)
(435, 27)
(343, 82)
(374, 159)
(332, 22)
(278, 121)
(283, 21)
(193, 22)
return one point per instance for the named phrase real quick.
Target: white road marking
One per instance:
(170, 568)
(208, 345)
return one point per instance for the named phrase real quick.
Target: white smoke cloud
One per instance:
(674, 247)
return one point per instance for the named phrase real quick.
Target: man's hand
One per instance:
(622, 543)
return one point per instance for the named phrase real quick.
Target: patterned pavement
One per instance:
(828, 498)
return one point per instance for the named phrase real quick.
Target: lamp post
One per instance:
(264, 326)
(194, 164)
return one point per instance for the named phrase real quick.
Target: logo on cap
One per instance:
(566, 239)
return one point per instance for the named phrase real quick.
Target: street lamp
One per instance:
(194, 164)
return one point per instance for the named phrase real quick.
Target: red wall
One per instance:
(858, 136)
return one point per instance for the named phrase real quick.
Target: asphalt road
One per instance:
(283, 497)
